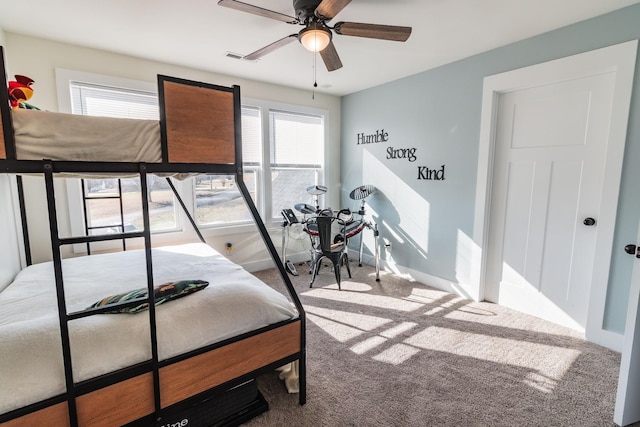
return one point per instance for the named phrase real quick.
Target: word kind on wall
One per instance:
(408, 154)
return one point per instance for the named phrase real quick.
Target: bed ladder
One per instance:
(56, 243)
(85, 209)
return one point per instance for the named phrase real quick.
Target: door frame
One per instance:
(627, 408)
(621, 59)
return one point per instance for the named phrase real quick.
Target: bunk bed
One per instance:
(163, 376)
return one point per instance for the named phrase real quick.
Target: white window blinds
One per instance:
(297, 140)
(95, 100)
(251, 136)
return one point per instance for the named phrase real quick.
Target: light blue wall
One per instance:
(438, 112)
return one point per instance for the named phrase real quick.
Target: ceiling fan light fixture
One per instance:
(315, 39)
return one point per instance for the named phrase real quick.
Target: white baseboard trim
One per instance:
(410, 274)
(611, 340)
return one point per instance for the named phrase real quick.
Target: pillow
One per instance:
(163, 293)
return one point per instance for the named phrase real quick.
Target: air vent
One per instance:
(234, 55)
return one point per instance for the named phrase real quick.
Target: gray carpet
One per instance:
(399, 353)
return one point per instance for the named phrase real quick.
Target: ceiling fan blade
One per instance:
(373, 31)
(330, 57)
(270, 48)
(256, 10)
(327, 9)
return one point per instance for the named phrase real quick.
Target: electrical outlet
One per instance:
(387, 246)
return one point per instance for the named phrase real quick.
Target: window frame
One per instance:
(272, 219)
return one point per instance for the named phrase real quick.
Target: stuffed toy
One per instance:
(21, 91)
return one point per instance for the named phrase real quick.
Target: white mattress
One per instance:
(59, 136)
(31, 367)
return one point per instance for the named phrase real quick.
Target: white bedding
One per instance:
(31, 367)
(59, 136)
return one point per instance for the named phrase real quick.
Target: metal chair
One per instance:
(331, 245)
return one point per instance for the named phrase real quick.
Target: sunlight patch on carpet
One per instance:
(342, 325)
(348, 285)
(382, 337)
(368, 344)
(379, 301)
(364, 322)
(446, 305)
(338, 331)
(548, 361)
(396, 354)
(540, 382)
(399, 329)
(427, 295)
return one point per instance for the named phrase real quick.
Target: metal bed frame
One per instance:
(49, 168)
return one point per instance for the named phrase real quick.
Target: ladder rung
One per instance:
(101, 238)
(101, 227)
(101, 197)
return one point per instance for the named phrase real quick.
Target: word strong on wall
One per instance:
(395, 153)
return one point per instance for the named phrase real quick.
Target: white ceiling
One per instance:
(199, 33)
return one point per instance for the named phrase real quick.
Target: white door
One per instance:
(538, 181)
(550, 150)
(627, 410)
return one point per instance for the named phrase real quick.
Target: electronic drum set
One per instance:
(355, 222)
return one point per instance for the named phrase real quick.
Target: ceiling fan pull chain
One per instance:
(315, 83)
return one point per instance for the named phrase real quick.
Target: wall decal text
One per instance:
(379, 136)
(402, 153)
(431, 174)
(409, 154)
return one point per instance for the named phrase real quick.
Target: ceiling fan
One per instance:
(316, 35)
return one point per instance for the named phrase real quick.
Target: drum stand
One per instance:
(376, 233)
(288, 265)
(361, 193)
(290, 219)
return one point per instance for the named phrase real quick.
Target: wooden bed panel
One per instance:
(3, 152)
(200, 125)
(4, 105)
(200, 373)
(56, 415)
(117, 404)
(132, 399)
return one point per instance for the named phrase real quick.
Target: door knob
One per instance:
(632, 250)
(589, 222)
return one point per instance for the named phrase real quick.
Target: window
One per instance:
(277, 170)
(297, 153)
(114, 205)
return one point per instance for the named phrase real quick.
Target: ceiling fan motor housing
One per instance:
(305, 8)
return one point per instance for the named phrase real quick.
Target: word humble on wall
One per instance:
(424, 172)
(379, 136)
